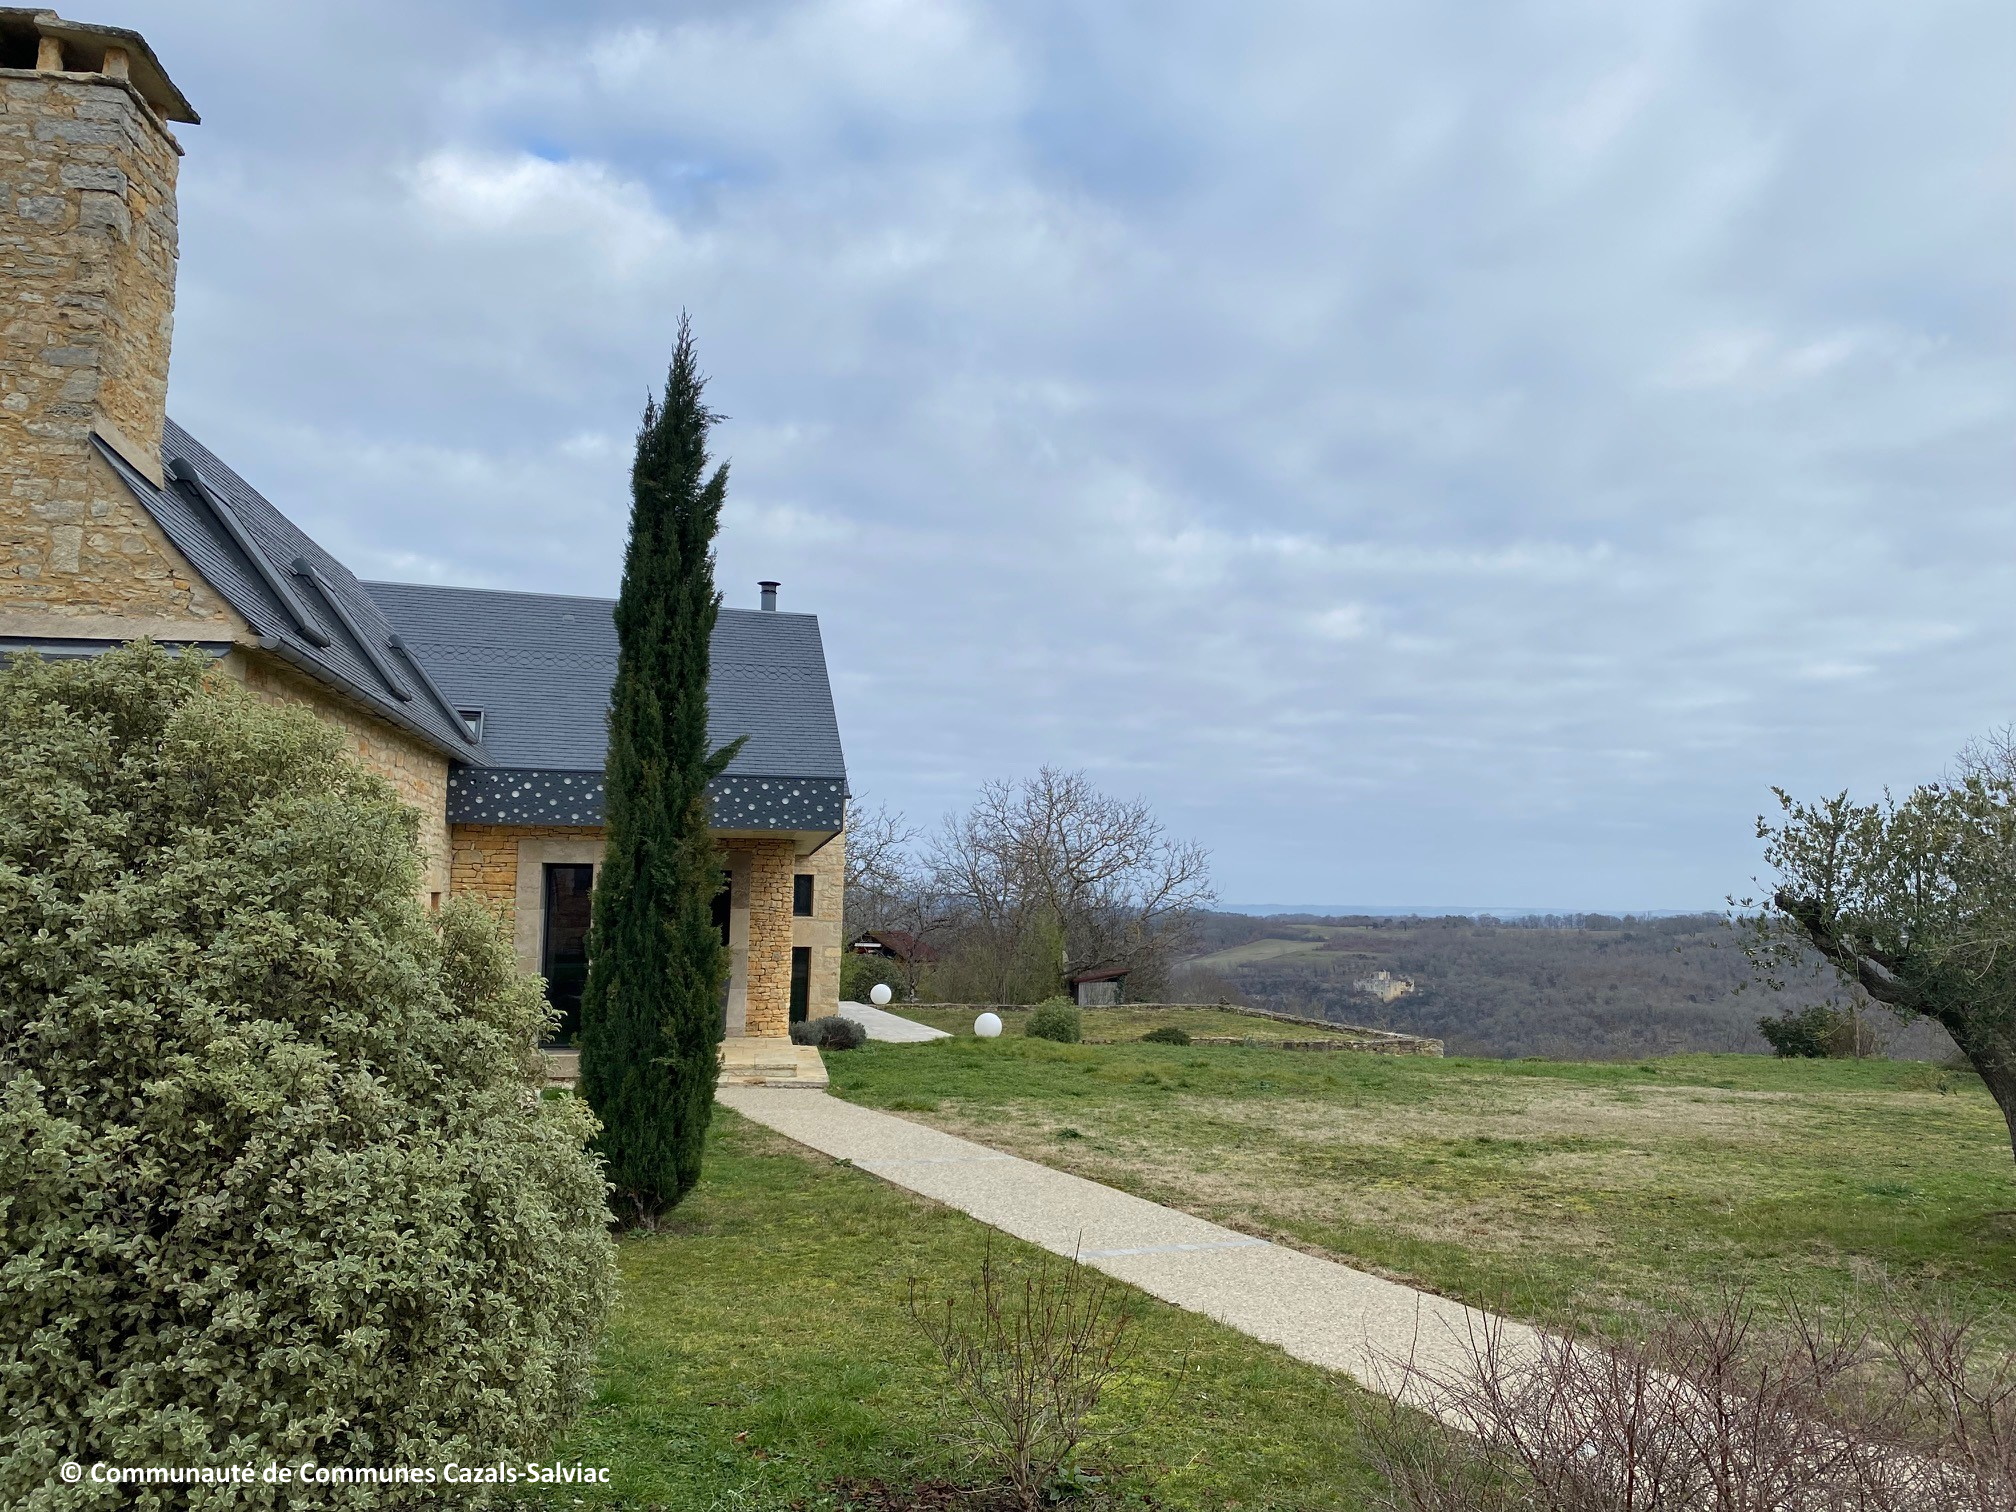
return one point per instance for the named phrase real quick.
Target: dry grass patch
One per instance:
(1530, 1111)
(1529, 1187)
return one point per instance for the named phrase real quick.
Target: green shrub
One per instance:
(860, 973)
(1818, 1032)
(1057, 1019)
(1166, 1034)
(276, 1178)
(829, 1033)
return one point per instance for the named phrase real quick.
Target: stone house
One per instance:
(485, 709)
(1385, 986)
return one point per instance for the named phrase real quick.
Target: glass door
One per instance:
(564, 951)
(801, 983)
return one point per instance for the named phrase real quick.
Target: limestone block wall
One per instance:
(502, 864)
(87, 260)
(767, 1004)
(822, 932)
(416, 771)
(484, 861)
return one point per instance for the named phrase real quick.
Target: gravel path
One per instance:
(1316, 1310)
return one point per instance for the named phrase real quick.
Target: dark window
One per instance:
(19, 46)
(724, 900)
(563, 956)
(801, 895)
(801, 983)
(474, 719)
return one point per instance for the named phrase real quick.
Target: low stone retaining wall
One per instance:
(1369, 1041)
(1387, 1044)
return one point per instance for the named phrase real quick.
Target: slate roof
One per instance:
(320, 620)
(540, 667)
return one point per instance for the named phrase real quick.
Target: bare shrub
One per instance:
(1899, 1407)
(1029, 1351)
(1951, 1424)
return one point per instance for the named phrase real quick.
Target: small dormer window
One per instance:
(474, 719)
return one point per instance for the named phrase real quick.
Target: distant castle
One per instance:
(1385, 986)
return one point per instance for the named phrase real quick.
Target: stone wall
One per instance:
(484, 860)
(87, 258)
(767, 1005)
(1372, 1041)
(417, 771)
(500, 863)
(821, 933)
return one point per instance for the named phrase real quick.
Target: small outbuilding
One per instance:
(1098, 989)
(896, 944)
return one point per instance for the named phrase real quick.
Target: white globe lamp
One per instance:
(988, 1026)
(880, 994)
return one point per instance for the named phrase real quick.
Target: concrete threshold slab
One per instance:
(1316, 1310)
(773, 1063)
(757, 1062)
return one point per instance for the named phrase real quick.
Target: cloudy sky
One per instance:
(1447, 454)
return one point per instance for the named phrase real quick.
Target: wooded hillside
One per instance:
(1585, 986)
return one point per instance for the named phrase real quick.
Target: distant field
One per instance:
(1111, 1026)
(1254, 950)
(1537, 1187)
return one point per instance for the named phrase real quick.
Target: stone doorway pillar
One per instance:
(767, 1012)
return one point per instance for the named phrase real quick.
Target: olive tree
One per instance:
(1912, 900)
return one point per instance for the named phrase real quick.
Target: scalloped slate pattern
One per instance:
(502, 796)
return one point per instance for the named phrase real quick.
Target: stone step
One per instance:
(770, 1063)
(744, 1063)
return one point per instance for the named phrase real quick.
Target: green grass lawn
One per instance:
(1537, 1188)
(761, 1350)
(1119, 1025)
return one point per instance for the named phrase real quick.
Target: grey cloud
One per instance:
(1438, 453)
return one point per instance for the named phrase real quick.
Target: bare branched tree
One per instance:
(881, 861)
(889, 890)
(1052, 877)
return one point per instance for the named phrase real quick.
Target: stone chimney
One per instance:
(87, 274)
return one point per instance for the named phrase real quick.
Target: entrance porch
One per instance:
(778, 911)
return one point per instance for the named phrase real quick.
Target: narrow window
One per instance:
(564, 950)
(724, 901)
(801, 895)
(801, 983)
(474, 719)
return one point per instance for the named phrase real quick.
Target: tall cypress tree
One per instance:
(650, 1013)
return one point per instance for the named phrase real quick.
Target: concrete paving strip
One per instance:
(1314, 1309)
(888, 1027)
